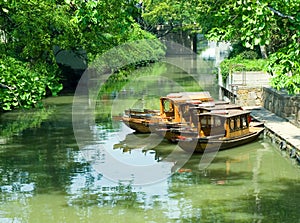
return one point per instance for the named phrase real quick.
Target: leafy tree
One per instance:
(175, 15)
(272, 26)
(104, 24)
(25, 85)
(30, 29)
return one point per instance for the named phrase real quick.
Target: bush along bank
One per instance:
(24, 85)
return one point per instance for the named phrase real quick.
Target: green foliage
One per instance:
(33, 27)
(274, 24)
(250, 22)
(122, 61)
(174, 14)
(28, 84)
(30, 29)
(134, 53)
(238, 63)
(285, 67)
(251, 54)
(270, 26)
(239, 50)
(103, 24)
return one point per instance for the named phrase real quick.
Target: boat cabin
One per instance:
(226, 123)
(190, 112)
(172, 107)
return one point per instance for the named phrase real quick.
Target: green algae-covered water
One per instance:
(45, 177)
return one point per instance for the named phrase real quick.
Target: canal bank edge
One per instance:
(279, 111)
(279, 130)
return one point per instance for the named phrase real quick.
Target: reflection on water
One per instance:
(46, 178)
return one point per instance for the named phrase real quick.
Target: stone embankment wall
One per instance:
(249, 96)
(282, 104)
(277, 102)
(252, 89)
(247, 86)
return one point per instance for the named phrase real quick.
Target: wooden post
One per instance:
(220, 82)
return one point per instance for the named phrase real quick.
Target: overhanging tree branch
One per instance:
(281, 14)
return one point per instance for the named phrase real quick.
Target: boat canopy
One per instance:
(230, 123)
(207, 107)
(170, 104)
(189, 96)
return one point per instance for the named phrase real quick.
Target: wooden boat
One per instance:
(139, 120)
(142, 120)
(218, 130)
(190, 112)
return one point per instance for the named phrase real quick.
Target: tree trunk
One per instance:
(263, 51)
(194, 47)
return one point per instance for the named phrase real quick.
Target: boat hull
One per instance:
(139, 125)
(211, 144)
(172, 133)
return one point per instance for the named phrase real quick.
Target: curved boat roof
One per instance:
(189, 96)
(210, 107)
(226, 113)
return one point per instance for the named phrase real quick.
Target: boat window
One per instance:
(238, 122)
(203, 122)
(218, 121)
(185, 112)
(244, 121)
(209, 121)
(168, 106)
(232, 124)
(194, 118)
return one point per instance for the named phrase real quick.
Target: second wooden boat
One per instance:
(218, 130)
(142, 120)
(171, 131)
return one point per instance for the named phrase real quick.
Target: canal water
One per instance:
(46, 177)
